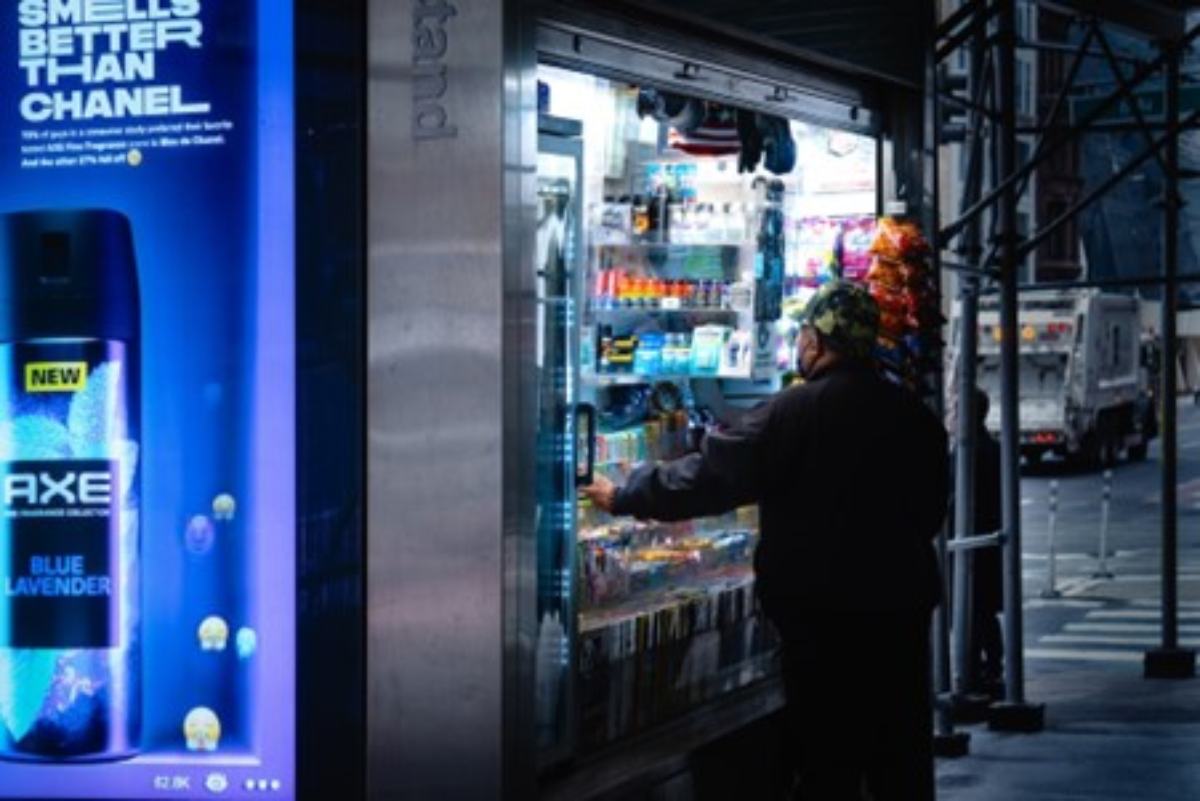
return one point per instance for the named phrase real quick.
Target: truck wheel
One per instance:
(1137, 453)
(1088, 457)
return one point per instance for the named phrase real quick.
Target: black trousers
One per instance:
(859, 706)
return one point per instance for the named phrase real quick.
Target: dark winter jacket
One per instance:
(850, 473)
(986, 562)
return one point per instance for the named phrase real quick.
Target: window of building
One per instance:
(1025, 87)
(1023, 226)
(1058, 246)
(1026, 20)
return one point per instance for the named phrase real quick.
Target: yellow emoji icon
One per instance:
(202, 729)
(224, 506)
(213, 633)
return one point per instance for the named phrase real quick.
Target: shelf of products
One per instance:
(643, 664)
(709, 350)
(623, 562)
(632, 379)
(689, 261)
(619, 291)
(663, 218)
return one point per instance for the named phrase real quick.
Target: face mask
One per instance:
(804, 370)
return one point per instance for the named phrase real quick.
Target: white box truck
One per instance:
(1087, 374)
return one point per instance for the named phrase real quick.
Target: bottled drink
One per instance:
(677, 224)
(69, 544)
(641, 217)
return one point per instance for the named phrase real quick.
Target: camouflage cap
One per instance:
(845, 314)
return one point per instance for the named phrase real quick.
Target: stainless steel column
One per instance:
(435, 399)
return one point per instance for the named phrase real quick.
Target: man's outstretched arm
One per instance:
(726, 473)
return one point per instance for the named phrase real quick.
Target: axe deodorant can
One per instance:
(70, 686)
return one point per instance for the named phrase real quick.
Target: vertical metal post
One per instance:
(1051, 590)
(964, 483)
(941, 633)
(1170, 661)
(968, 346)
(1014, 713)
(1010, 479)
(1102, 571)
(946, 741)
(1170, 251)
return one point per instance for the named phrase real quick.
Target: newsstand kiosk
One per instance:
(313, 316)
(589, 226)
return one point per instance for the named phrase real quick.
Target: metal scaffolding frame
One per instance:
(986, 29)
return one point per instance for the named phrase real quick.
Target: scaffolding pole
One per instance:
(968, 704)
(1007, 182)
(1169, 661)
(946, 741)
(1015, 714)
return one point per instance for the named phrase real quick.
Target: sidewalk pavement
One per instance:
(1110, 734)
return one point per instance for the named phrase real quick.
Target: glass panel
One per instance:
(556, 254)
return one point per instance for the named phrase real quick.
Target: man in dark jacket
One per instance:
(987, 571)
(850, 475)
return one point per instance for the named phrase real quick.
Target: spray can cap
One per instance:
(67, 273)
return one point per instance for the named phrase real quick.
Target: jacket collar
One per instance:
(840, 366)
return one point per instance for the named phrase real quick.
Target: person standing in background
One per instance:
(987, 569)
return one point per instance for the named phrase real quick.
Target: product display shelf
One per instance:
(622, 313)
(648, 662)
(700, 602)
(708, 248)
(634, 379)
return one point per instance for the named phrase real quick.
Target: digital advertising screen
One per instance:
(147, 400)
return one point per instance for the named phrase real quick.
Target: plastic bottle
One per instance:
(641, 217)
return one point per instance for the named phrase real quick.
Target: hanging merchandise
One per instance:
(682, 113)
(854, 247)
(715, 135)
(779, 149)
(907, 294)
(768, 262)
(751, 141)
(814, 256)
(768, 139)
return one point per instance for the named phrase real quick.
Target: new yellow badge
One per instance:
(55, 376)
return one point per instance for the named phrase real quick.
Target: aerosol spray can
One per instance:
(70, 684)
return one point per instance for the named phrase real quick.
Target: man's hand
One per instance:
(601, 492)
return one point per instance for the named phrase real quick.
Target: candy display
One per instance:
(622, 289)
(855, 250)
(811, 256)
(620, 559)
(907, 294)
(664, 437)
(822, 248)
